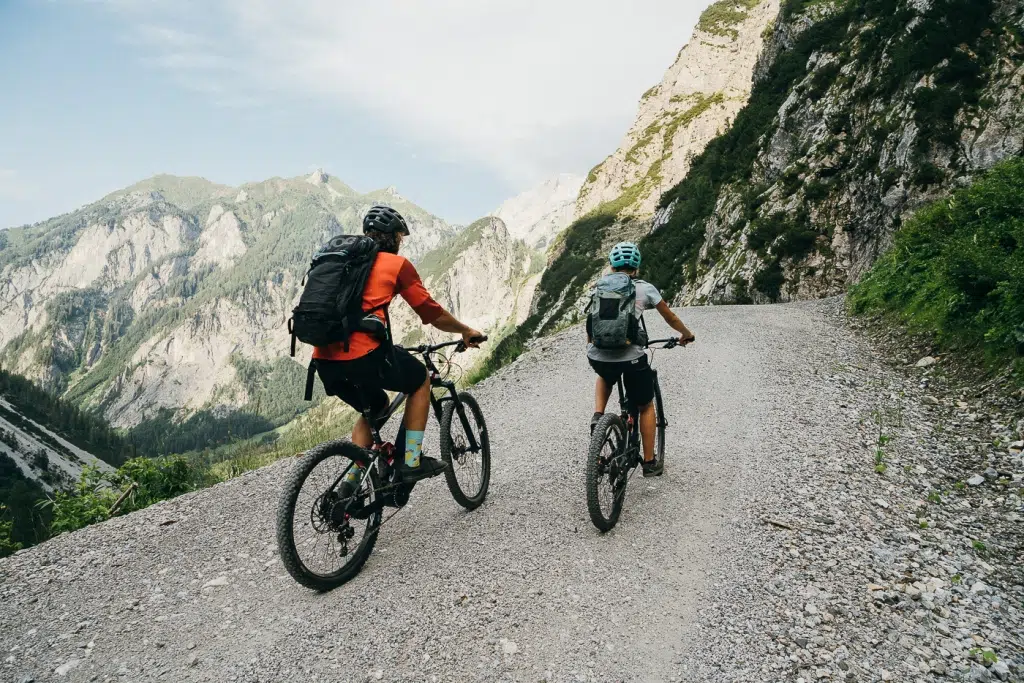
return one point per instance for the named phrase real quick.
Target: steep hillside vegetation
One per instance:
(860, 112)
(45, 446)
(956, 270)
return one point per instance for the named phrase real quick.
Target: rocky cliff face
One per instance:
(41, 454)
(889, 106)
(860, 112)
(485, 277)
(538, 215)
(699, 96)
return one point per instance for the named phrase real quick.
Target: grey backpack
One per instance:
(612, 316)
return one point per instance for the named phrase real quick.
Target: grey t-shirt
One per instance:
(647, 297)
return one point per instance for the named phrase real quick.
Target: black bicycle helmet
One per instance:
(384, 219)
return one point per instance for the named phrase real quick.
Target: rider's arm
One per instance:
(411, 288)
(685, 336)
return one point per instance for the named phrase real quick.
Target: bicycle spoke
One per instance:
(315, 527)
(466, 464)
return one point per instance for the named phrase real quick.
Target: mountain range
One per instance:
(163, 306)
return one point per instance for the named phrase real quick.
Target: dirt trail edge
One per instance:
(772, 549)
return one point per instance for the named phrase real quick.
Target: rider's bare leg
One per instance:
(417, 408)
(648, 422)
(602, 391)
(361, 435)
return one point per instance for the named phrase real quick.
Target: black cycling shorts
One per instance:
(637, 377)
(363, 381)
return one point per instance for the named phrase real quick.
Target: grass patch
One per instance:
(701, 103)
(956, 269)
(721, 17)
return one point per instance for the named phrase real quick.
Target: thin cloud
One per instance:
(528, 88)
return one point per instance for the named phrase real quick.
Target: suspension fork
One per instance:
(460, 409)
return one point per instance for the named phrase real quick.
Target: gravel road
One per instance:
(772, 549)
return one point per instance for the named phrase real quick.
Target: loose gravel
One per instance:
(818, 520)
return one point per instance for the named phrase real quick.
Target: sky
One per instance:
(459, 104)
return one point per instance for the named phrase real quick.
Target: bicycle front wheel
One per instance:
(469, 472)
(607, 472)
(323, 535)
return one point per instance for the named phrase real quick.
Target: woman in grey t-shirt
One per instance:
(630, 362)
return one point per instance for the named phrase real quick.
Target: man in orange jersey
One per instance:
(360, 374)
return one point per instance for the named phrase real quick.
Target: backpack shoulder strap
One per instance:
(310, 378)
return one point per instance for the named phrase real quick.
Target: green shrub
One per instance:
(8, 545)
(95, 493)
(816, 190)
(765, 231)
(822, 80)
(720, 18)
(928, 174)
(769, 280)
(956, 269)
(88, 503)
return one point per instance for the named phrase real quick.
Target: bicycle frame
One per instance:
(436, 403)
(631, 415)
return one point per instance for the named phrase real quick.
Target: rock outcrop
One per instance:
(864, 137)
(700, 95)
(538, 215)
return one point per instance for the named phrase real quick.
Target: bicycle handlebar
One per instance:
(434, 348)
(669, 343)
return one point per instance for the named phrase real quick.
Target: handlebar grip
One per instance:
(478, 340)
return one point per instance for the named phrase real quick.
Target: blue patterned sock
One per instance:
(354, 472)
(413, 447)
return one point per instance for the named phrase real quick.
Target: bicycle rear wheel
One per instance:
(662, 423)
(607, 472)
(468, 473)
(318, 531)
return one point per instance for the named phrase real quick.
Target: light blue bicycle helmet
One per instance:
(625, 255)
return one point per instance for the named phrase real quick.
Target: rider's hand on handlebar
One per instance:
(472, 338)
(687, 339)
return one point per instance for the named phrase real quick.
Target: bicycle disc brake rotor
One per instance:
(459, 449)
(321, 517)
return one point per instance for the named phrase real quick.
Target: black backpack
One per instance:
(331, 306)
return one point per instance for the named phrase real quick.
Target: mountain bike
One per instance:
(325, 537)
(615, 451)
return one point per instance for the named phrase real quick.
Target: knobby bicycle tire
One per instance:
(470, 501)
(659, 416)
(609, 424)
(286, 517)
